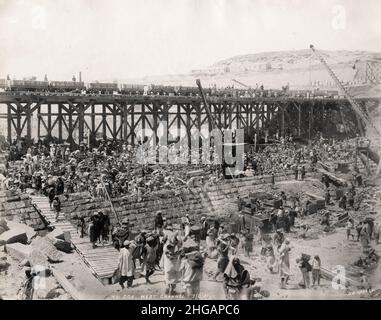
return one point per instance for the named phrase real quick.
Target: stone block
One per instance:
(46, 247)
(57, 233)
(13, 236)
(62, 245)
(28, 230)
(18, 251)
(3, 226)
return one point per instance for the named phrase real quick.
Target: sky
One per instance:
(137, 38)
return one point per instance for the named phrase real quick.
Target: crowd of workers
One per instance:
(113, 166)
(111, 170)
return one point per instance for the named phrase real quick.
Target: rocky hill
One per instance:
(299, 68)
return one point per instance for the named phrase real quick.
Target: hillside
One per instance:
(299, 68)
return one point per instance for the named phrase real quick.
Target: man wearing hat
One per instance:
(126, 264)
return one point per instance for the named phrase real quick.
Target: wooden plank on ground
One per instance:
(65, 283)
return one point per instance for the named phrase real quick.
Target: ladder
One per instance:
(109, 200)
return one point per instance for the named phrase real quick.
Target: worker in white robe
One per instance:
(126, 264)
(171, 264)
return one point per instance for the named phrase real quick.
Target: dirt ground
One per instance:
(333, 248)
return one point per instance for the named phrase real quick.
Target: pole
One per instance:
(109, 200)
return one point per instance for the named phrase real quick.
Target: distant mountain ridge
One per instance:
(304, 53)
(298, 68)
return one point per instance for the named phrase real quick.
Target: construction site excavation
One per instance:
(257, 178)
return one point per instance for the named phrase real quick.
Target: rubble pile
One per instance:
(22, 250)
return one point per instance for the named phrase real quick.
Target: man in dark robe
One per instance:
(236, 280)
(159, 222)
(121, 234)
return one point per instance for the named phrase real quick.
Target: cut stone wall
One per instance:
(197, 201)
(16, 206)
(82, 204)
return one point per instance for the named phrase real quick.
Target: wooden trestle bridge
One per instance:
(71, 118)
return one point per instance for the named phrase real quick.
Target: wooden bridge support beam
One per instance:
(121, 117)
(9, 123)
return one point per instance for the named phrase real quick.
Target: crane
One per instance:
(212, 119)
(242, 84)
(355, 106)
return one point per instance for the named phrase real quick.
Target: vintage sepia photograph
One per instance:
(190, 150)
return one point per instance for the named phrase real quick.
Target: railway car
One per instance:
(66, 86)
(227, 92)
(102, 88)
(186, 91)
(277, 93)
(29, 85)
(133, 89)
(162, 90)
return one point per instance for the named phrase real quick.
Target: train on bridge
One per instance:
(79, 88)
